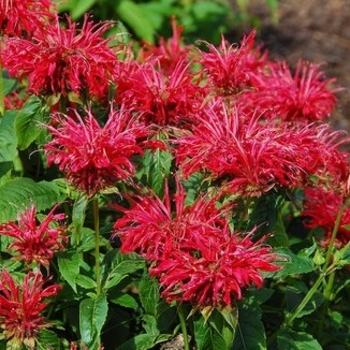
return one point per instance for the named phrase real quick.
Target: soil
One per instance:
(314, 30)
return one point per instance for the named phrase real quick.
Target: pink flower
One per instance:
(214, 274)
(95, 157)
(63, 60)
(21, 306)
(35, 241)
(305, 96)
(23, 17)
(321, 210)
(229, 67)
(250, 156)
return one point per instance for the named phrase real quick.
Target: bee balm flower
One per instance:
(21, 306)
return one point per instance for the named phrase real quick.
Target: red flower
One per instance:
(94, 157)
(229, 67)
(23, 17)
(305, 96)
(63, 60)
(168, 52)
(21, 305)
(193, 252)
(321, 210)
(149, 227)
(163, 99)
(251, 155)
(35, 241)
(214, 274)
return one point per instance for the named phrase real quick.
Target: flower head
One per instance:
(193, 252)
(95, 157)
(21, 306)
(229, 67)
(151, 228)
(59, 61)
(164, 100)
(168, 52)
(19, 17)
(305, 96)
(321, 210)
(35, 241)
(215, 273)
(251, 155)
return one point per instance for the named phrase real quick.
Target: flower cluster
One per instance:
(33, 241)
(253, 155)
(61, 61)
(321, 209)
(193, 253)
(21, 307)
(94, 157)
(24, 17)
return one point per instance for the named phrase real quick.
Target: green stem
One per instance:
(2, 97)
(334, 235)
(97, 245)
(182, 318)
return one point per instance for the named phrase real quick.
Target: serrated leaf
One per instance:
(140, 342)
(134, 16)
(92, 316)
(78, 217)
(8, 85)
(125, 300)
(123, 270)
(49, 339)
(149, 295)
(27, 122)
(157, 166)
(69, 266)
(289, 340)
(250, 334)
(20, 193)
(8, 140)
(207, 337)
(85, 282)
(292, 264)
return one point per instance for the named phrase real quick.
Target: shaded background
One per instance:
(315, 30)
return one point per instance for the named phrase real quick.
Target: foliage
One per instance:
(181, 196)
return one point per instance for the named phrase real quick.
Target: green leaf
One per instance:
(149, 295)
(207, 336)
(296, 293)
(250, 333)
(134, 16)
(266, 216)
(140, 342)
(80, 7)
(85, 282)
(125, 300)
(292, 264)
(78, 217)
(69, 266)
(20, 193)
(92, 316)
(9, 85)
(27, 122)
(121, 270)
(48, 339)
(8, 140)
(289, 340)
(216, 331)
(157, 167)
